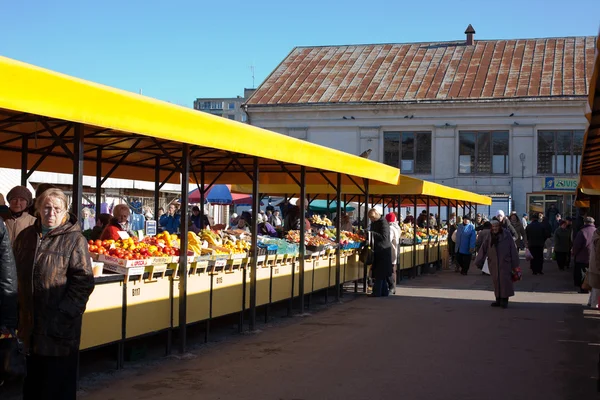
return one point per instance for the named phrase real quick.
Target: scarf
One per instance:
(16, 215)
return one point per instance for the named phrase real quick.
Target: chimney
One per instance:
(470, 32)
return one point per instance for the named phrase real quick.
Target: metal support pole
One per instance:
(254, 245)
(98, 181)
(183, 271)
(77, 170)
(156, 187)
(439, 228)
(338, 234)
(366, 226)
(202, 195)
(416, 269)
(302, 252)
(427, 260)
(24, 151)
(398, 266)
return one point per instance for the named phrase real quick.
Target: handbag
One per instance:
(586, 284)
(516, 274)
(366, 255)
(528, 255)
(13, 364)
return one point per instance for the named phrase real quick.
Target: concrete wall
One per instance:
(356, 128)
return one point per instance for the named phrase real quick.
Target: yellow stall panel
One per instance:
(148, 306)
(343, 262)
(227, 293)
(354, 268)
(198, 298)
(263, 280)
(322, 273)
(103, 316)
(309, 266)
(282, 282)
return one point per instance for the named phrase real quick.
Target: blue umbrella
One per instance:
(217, 194)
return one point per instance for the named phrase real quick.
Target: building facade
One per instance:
(226, 107)
(501, 117)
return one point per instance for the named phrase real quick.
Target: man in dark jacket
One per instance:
(536, 238)
(382, 267)
(582, 246)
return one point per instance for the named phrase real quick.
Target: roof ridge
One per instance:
(458, 41)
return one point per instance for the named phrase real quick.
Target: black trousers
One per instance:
(392, 280)
(464, 261)
(579, 273)
(562, 259)
(451, 249)
(51, 378)
(537, 263)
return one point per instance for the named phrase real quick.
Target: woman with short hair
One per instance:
(120, 222)
(55, 281)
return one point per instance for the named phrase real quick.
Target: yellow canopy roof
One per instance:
(408, 187)
(42, 106)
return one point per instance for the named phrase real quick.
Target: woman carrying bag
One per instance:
(382, 254)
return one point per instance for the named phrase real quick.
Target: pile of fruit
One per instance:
(317, 220)
(132, 249)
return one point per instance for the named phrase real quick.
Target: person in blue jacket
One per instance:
(465, 244)
(171, 220)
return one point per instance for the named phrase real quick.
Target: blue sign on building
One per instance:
(563, 184)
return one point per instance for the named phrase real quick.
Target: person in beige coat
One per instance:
(594, 269)
(19, 200)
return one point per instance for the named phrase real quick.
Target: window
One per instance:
(409, 151)
(231, 116)
(232, 106)
(483, 152)
(559, 152)
(244, 118)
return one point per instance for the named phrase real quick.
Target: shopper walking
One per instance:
(465, 244)
(525, 221)
(55, 281)
(19, 200)
(395, 241)
(536, 237)
(521, 234)
(501, 252)
(551, 214)
(382, 253)
(582, 248)
(501, 217)
(482, 236)
(594, 269)
(452, 224)
(562, 245)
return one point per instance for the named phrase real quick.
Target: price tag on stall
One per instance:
(151, 228)
(220, 263)
(123, 235)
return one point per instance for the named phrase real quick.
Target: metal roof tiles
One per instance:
(444, 71)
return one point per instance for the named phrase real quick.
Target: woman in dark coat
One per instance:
(382, 253)
(55, 280)
(501, 252)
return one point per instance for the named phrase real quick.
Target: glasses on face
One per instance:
(53, 210)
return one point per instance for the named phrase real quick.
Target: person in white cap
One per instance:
(501, 217)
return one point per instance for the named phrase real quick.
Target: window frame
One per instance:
(476, 152)
(399, 135)
(574, 158)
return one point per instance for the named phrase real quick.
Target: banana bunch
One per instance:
(194, 243)
(211, 237)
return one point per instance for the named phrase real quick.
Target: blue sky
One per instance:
(179, 50)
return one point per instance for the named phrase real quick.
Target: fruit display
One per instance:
(318, 220)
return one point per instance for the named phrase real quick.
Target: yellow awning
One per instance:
(408, 187)
(110, 116)
(589, 178)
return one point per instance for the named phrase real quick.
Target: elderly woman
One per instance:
(120, 222)
(19, 200)
(346, 223)
(382, 253)
(395, 234)
(87, 219)
(501, 252)
(518, 225)
(55, 281)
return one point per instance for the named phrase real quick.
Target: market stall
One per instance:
(588, 190)
(52, 122)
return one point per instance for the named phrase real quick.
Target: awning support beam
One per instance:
(183, 271)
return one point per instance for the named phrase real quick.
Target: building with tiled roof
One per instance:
(490, 116)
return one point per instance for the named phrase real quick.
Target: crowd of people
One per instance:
(568, 241)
